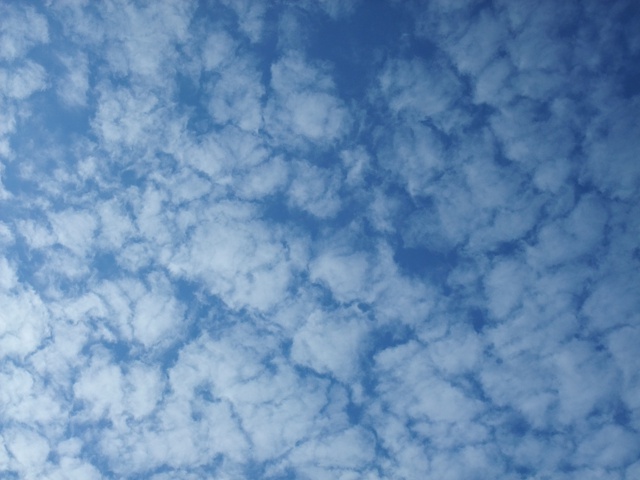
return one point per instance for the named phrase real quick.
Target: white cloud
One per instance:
(23, 322)
(528, 137)
(457, 353)
(145, 312)
(22, 82)
(62, 355)
(104, 390)
(335, 456)
(337, 9)
(264, 179)
(579, 233)
(633, 470)
(29, 451)
(8, 277)
(621, 344)
(5, 151)
(115, 225)
(157, 316)
(240, 242)
(612, 302)
(74, 87)
(344, 273)
(74, 230)
(236, 96)
(250, 17)
(143, 389)
(221, 398)
(217, 50)
(611, 446)
(27, 400)
(315, 190)
(586, 380)
(384, 214)
(413, 389)
(357, 162)
(71, 468)
(531, 49)
(417, 90)
(36, 234)
(479, 44)
(416, 155)
(126, 118)
(238, 257)
(304, 103)
(314, 115)
(331, 342)
(491, 85)
(143, 41)
(505, 286)
(22, 29)
(523, 383)
(220, 154)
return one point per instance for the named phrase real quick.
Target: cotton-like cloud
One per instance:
(314, 190)
(23, 81)
(243, 265)
(143, 39)
(344, 273)
(250, 17)
(73, 89)
(319, 240)
(415, 154)
(24, 322)
(330, 342)
(22, 29)
(304, 104)
(414, 89)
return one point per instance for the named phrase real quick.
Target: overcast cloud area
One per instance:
(319, 239)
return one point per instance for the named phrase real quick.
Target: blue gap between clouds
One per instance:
(356, 42)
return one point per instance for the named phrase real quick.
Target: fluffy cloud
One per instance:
(273, 240)
(23, 28)
(304, 104)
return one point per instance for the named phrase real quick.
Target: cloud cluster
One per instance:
(226, 254)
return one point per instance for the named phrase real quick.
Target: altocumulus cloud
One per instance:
(319, 239)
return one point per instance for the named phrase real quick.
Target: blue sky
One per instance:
(319, 239)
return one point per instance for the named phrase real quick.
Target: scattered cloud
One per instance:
(228, 250)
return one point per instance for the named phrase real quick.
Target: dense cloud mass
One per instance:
(319, 239)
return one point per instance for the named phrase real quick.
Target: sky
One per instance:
(319, 239)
